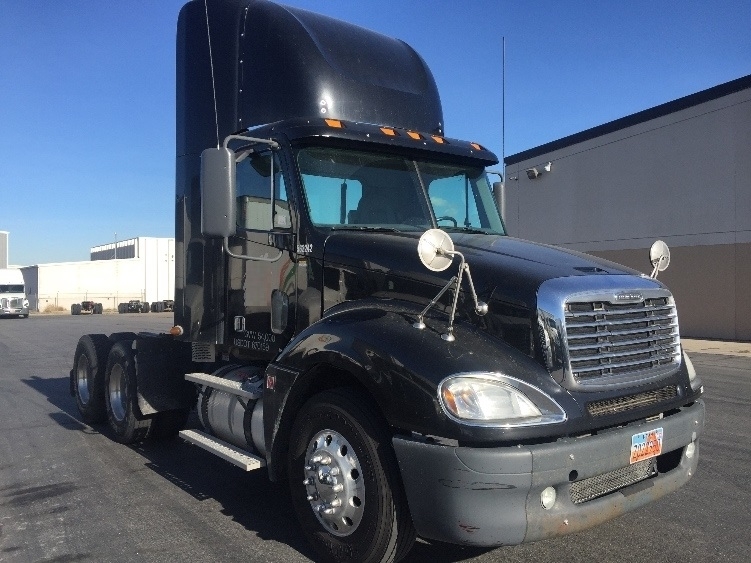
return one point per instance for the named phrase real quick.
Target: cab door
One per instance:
(262, 276)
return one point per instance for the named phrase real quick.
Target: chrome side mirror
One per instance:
(659, 257)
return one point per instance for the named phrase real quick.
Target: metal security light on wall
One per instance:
(533, 173)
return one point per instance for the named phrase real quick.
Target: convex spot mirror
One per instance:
(435, 250)
(218, 192)
(659, 257)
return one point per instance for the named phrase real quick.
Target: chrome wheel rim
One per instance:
(117, 393)
(334, 483)
(82, 379)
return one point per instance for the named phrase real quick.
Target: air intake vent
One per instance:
(202, 352)
(623, 404)
(588, 489)
(607, 339)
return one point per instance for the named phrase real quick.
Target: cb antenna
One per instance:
(503, 110)
(211, 61)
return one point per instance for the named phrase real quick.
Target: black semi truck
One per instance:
(351, 316)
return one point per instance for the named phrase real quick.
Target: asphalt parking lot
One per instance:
(68, 492)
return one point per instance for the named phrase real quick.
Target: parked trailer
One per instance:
(329, 331)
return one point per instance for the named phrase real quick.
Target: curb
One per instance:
(721, 347)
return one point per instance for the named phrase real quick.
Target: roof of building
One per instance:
(691, 100)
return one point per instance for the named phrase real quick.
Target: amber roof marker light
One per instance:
(335, 123)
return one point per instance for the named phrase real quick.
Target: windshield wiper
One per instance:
(470, 230)
(365, 228)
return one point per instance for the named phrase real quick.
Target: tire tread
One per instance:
(135, 427)
(96, 347)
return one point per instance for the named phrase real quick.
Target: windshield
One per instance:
(11, 288)
(350, 189)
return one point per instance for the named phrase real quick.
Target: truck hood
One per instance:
(507, 273)
(502, 267)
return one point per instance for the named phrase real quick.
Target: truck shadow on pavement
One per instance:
(250, 500)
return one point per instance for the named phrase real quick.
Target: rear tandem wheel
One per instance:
(87, 377)
(124, 416)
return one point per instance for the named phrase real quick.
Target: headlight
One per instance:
(493, 399)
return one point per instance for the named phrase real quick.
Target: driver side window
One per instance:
(254, 211)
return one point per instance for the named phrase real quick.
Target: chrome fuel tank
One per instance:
(233, 418)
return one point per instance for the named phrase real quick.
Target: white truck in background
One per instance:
(13, 300)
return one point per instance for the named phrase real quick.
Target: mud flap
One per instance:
(161, 365)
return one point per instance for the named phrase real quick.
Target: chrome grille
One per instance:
(11, 303)
(606, 339)
(588, 489)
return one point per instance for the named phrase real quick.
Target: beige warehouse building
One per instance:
(141, 268)
(680, 172)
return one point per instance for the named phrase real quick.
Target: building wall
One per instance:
(106, 282)
(159, 270)
(710, 284)
(684, 177)
(149, 277)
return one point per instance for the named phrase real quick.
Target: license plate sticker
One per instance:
(645, 445)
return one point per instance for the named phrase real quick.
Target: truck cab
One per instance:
(13, 301)
(550, 378)
(351, 316)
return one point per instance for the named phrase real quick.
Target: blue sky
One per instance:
(87, 92)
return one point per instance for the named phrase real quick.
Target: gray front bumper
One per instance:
(11, 311)
(491, 496)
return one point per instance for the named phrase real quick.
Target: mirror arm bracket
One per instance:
(481, 308)
(271, 143)
(420, 318)
(253, 258)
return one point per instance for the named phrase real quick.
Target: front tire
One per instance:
(344, 481)
(89, 365)
(123, 414)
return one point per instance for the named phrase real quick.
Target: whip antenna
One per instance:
(503, 112)
(211, 61)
